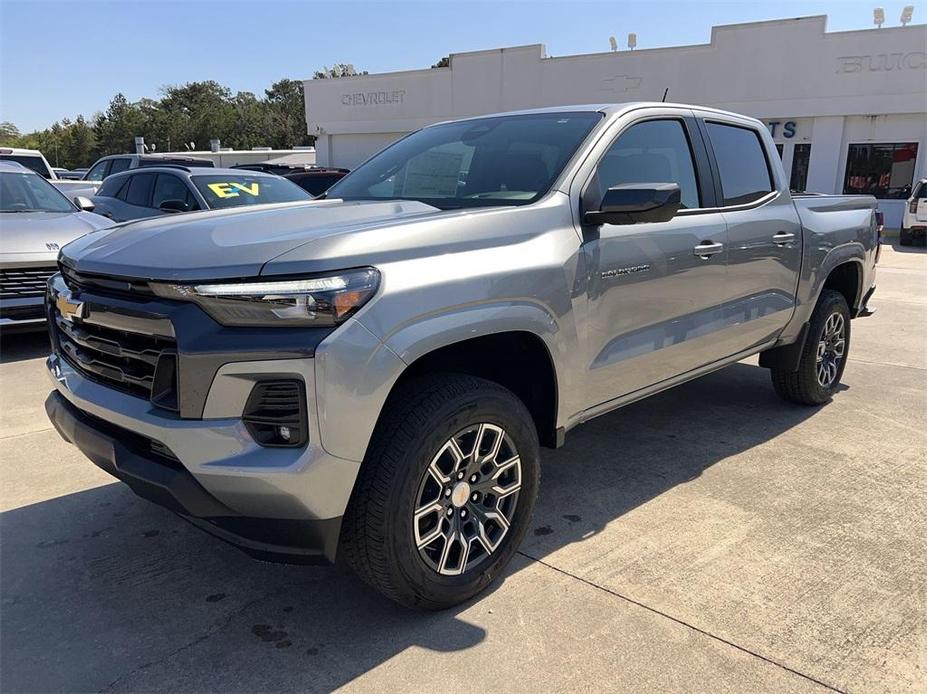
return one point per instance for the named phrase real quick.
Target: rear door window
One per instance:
(138, 190)
(118, 165)
(742, 165)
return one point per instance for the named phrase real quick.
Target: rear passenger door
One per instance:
(764, 231)
(655, 290)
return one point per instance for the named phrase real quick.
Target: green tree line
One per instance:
(192, 113)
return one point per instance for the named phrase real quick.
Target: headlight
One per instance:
(315, 301)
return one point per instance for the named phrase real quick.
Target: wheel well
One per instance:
(845, 279)
(518, 361)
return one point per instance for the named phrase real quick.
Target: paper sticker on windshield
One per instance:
(234, 189)
(433, 174)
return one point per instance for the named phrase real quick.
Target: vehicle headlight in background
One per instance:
(314, 301)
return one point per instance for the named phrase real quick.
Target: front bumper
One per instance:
(275, 503)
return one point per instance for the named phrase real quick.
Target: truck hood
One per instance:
(42, 233)
(226, 244)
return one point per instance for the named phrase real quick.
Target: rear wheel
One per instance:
(905, 237)
(445, 493)
(823, 357)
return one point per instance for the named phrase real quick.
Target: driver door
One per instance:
(656, 290)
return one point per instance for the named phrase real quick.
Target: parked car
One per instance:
(35, 221)
(914, 221)
(35, 160)
(73, 174)
(315, 180)
(152, 191)
(116, 163)
(370, 375)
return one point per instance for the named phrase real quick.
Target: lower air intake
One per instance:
(275, 413)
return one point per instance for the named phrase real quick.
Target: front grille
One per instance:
(21, 283)
(131, 362)
(109, 285)
(22, 312)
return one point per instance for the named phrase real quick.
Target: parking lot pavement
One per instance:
(711, 538)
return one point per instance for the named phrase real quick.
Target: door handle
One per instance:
(783, 238)
(706, 249)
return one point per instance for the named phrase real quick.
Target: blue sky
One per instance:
(59, 59)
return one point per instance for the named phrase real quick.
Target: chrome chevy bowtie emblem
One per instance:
(52, 246)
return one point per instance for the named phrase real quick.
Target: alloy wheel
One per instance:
(831, 348)
(466, 499)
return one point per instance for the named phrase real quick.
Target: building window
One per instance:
(884, 170)
(800, 158)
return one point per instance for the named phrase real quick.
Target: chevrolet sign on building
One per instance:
(848, 110)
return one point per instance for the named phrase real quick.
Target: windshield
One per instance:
(236, 190)
(505, 160)
(28, 192)
(32, 161)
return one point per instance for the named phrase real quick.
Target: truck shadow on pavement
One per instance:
(103, 591)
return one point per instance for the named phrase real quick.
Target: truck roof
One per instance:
(608, 109)
(19, 150)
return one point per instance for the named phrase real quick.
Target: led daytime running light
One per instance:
(321, 284)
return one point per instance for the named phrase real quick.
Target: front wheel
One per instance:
(445, 493)
(823, 357)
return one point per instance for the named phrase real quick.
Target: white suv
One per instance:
(914, 222)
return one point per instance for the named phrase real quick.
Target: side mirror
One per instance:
(636, 203)
(85, 204)
(172, 206)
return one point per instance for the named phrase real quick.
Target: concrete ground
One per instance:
(712, 538)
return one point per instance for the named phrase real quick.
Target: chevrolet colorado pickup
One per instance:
(369, 376)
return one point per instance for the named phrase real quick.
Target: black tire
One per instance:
(377, 540)
(802, 385)
(905, 239)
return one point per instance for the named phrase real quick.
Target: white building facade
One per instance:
(848, 110)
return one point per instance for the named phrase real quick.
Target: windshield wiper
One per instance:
(13, 211)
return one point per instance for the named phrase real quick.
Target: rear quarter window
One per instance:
(742, 164)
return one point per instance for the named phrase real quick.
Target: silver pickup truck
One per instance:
(370, 376)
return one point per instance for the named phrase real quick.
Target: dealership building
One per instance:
(847, 110)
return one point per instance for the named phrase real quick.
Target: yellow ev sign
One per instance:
(234, 189)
